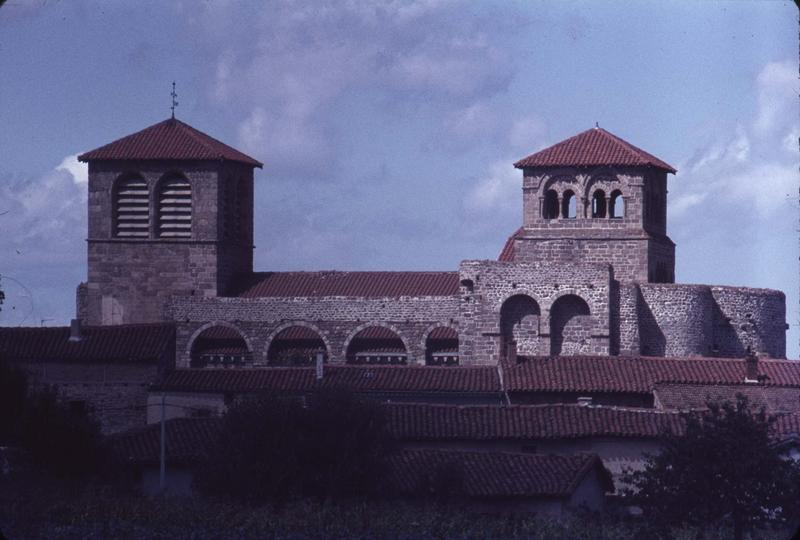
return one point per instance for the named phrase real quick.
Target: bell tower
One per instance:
(595, 198)
(170, 213)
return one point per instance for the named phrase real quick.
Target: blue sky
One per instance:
(388, 130)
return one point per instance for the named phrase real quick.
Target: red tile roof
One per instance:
(297, 332)
(121, 343)
(636, 374)
(593, 147)
(357, 378)
(496, 474)
(787, 426)
(412, 421)
(507, 254)
(369, 284)
(170, 139)
(443, 332)
(775, 399)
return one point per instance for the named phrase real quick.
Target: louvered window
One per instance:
(175, 209)
(132, 209)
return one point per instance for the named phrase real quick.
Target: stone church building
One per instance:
(589, 272)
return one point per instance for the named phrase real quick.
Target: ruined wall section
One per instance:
(701, 320)
(487, 285)
(336, 319)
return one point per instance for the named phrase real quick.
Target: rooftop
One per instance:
(170, 139)
(593, 147)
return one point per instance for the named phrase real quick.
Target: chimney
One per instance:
(75, 330)
(751, 367)
(319, 365)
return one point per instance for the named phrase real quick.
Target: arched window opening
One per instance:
(175, 208)
(569, 205)
(599, 204)
(376, 345)
(617, 209)
(519, 326)
(441, 347)
(220, 346)
(296, 346)
(570, 326)
(550, 204)
(132, 208)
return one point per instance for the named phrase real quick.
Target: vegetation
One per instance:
(276, 450)
(722, 471)
(63, 441)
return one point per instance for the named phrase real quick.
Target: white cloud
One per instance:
(499, 190)
(777, 96)
(78, 170)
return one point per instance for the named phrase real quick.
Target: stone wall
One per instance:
(336, 319)
(487, 285)
(115, 394)
(701, 320)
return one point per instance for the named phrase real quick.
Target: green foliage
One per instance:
(63, 441)
(276, 450)
(722, 470)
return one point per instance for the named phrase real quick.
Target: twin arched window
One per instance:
(173, 208)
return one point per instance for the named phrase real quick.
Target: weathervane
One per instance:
(174, 101)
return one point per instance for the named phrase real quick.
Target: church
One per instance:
(575, 339)
(590, 271)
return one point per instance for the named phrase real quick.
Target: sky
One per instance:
(388, 130)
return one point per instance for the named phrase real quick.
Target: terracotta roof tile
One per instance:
(121, 343)
(335, 283)
(507, 254)
(593, 147)
(187, 440)
(495, 474)
(170, 139)
(775, 399)
(413, 421)
(357, 378)
(636, 374)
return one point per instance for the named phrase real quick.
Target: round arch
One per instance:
(130, 206)
(570, 324)
(295, 324)
(520, 316)
(223, 345)
(359, 329)
(440, 343)
(174, 205)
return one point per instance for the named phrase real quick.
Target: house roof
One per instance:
(507, 253)
(365, 284)
(418, 421)
(636, 374)
(775, 399)
(495, 474)
(170, 139)
(120, 343)
(593, 147)
(188, 440)
(357, 378)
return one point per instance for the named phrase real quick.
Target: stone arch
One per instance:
(389, 347)
(174, 205)
(130, 206)
(219, 343)
(570, 325)
(440, 343)
(520, 318)
(302, 342)
(601, 179)
(550, 204)
(598, 203)
(559, 181)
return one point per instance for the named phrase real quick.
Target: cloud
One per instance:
(777, 85)
(288, 70)
(498, 190)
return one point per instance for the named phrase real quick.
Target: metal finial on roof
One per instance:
(596, 124)
(174, 101)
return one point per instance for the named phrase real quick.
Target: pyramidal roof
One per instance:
(170, 139)
(593, 147)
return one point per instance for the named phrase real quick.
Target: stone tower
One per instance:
(595, 198)
(170, 213)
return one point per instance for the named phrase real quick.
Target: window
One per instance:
(175, 208)
(599, 204)
(550, 210)
(569, 205)
(132, 208)
(617, 209)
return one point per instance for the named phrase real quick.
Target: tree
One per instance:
(276, 449)
(723, 470)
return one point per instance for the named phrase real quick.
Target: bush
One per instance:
(275, 450)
